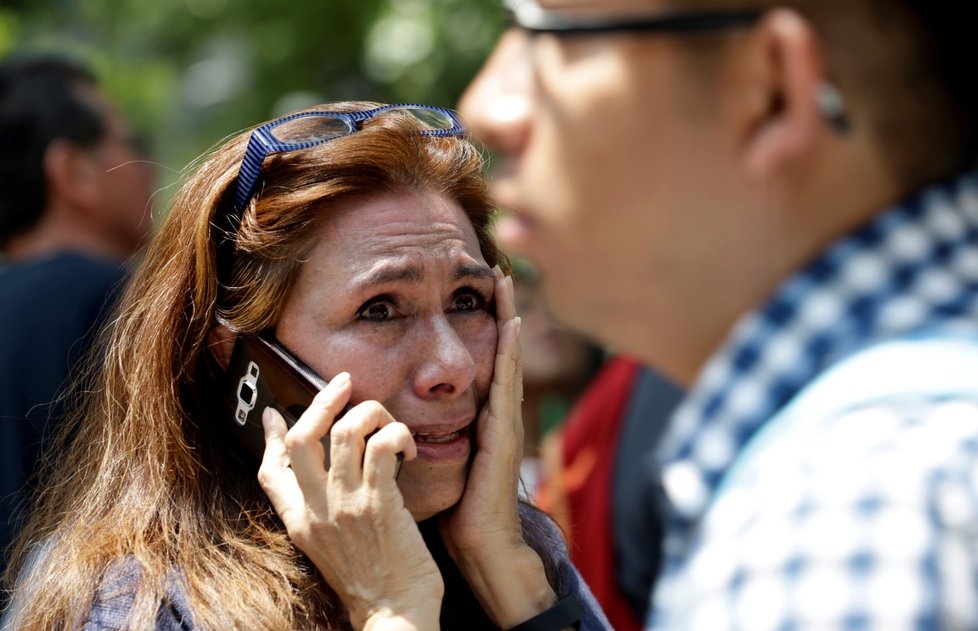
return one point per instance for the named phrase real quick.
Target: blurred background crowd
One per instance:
(191, 72)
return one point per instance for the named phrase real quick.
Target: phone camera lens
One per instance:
(247, 394)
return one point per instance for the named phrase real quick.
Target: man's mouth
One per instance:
(515, 229)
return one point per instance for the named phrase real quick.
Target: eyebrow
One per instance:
(415, 274)
(473, 271)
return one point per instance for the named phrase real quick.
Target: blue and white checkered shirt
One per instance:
(859, 516)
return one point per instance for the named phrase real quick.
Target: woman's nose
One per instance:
(445, 365)
(498, 103)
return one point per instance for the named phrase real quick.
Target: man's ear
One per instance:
(785, 76)
(220, 344)
(71, 174)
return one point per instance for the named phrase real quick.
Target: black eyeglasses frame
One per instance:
(530, 17)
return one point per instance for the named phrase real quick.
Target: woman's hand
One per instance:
(482, 532)
(351, 520)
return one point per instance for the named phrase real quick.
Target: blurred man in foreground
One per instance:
(773, 205)
(75, 205)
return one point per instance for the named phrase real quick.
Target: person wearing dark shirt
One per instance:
(75, 207)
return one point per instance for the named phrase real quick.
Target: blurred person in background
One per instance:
(557, 365)
(590, 426)
(775, 204)
(599, 484)
(75, 206)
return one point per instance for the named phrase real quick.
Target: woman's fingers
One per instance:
(485, 523)
(276, 455)
(508, 370)
(347, 442)
(274, 475)
(301, 447)
(500, 425)
(516, 363)
(504, 297)
(304, 441)
(351, 524)
(509, 361)
(507, 373)
(380, 460)
(505, 393)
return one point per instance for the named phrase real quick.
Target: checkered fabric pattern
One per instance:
(867, 519)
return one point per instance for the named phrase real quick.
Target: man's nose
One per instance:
(498, 103)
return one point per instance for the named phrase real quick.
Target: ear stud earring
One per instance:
(833, 107)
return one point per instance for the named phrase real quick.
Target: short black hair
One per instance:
(905, 69)
(946, 34)
(40, 101)
(910, 61)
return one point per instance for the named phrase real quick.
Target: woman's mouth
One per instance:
(453, 445)
(436, 438)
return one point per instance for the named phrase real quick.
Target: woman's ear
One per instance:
(220, 344)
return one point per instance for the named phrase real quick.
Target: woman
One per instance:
(361, 242)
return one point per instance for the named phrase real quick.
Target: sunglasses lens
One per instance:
(432, 119)
(310, 128)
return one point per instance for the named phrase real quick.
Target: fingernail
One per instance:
(266, 417)
(341, 379)
(517, 324)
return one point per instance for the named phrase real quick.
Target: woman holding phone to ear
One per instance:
(358, 238)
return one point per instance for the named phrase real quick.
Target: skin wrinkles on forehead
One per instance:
(387, 272)
(431, 244)
(403, 252)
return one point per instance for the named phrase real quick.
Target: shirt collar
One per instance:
(913, 266)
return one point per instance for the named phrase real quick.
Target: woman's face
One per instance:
(396, 292)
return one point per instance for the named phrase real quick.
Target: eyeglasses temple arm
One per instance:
(255, 155)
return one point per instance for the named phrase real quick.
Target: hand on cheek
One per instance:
(493, 480)
(483, 532)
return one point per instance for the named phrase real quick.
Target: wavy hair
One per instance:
(145, 478)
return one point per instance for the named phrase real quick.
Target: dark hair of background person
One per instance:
(149, 477)
(40, 101)
(905, 68)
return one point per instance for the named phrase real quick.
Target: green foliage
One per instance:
(9, 30)
(191, 72)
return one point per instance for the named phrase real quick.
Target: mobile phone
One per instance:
(263, 373)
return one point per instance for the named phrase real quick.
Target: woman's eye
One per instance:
(469, 300)
(376, 312)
